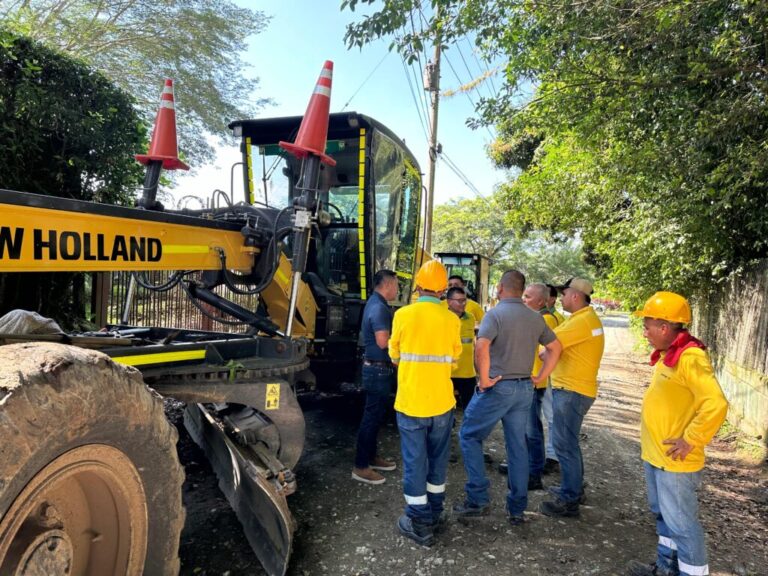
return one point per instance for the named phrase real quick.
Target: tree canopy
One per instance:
(644, 132)
(138, 43)
(66, 131)
(477, 226)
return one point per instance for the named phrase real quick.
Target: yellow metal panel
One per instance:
(249, 160)
(276, 298)
(160, 357)
(34, 239)
(361, 214)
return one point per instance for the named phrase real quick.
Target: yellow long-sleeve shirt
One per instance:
(425, 343)
(682, 401)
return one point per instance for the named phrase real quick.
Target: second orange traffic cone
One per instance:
(313, 132)
(163, 147)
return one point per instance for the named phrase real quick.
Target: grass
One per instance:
(746, 446)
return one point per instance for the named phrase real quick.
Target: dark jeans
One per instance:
(534, 435)
(569, 410)
(425, 445)
(465, 388)
(510, 402)
(378, 383)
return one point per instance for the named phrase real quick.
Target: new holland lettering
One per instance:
(10, 241)
(70, 245)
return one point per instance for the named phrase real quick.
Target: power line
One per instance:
(466, 92)
(463, 177)
(485, 69)
(415, 99)
(366, 80)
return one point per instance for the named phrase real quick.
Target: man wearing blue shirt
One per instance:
(379, 378)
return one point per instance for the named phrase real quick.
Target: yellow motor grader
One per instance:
(90, 483)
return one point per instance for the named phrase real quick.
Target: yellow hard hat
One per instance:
(432, 276)
(666, 306)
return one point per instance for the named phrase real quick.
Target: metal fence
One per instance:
(170, 309)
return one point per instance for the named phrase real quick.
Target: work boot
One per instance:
(534, 483)
(551, 466)
(469, 509)
(558, 508)
(416, 531)
(637, 568)
(440, 524)
(367, 476)
(382, 464)
(554, 489)
(515, 519)
(487, 458)
(503, 467)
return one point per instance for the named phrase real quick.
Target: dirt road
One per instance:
(347, 528)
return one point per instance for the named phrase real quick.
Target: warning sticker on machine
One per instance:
(272, 401)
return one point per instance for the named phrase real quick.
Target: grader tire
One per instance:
(90, 483)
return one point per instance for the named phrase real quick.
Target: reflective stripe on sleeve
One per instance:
(693, 570)
(668, 542)
(415, 500)
(467, 340)
(410, 357)
(435, 489)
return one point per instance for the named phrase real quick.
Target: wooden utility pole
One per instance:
(432, 84)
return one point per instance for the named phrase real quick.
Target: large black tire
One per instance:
(74, 422)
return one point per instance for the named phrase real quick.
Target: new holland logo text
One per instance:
(67, 245)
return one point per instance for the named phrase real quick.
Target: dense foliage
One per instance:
(646, 134)
(138, 43)
(64, 131)
(474, 226)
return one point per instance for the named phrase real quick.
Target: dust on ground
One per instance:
(348, 528)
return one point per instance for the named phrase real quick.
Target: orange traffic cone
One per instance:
(313, 132)
(163, 146)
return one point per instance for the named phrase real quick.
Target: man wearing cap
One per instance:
(473, 307)
(574, 388)
(506, 344)
(551, 462)
(425, 344)
(378, 377)
(682, 410)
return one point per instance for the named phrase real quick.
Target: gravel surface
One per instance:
(348, 528)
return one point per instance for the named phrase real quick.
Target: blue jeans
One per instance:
(425, 444)
(672, 497)
(569, 409)
(546, 409)
(534, 435)
(378, 383)
(510, 402)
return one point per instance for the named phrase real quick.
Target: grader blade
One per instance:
(253, 483)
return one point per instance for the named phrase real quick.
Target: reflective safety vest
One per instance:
(426, 344)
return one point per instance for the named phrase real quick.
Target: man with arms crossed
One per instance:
(574, 388)
(378, 377)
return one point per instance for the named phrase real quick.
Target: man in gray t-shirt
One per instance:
(506, 344)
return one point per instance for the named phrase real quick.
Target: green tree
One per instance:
(646, 129)
(64, 131)
(478, 226)
(137, 43)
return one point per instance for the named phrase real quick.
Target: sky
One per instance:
(287, 58)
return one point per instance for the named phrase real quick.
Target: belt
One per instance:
(367, 362)
(517, 379)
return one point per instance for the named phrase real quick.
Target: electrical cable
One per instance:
(366, 80)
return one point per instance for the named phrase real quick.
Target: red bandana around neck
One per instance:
(683, 341)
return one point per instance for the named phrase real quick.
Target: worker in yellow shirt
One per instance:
(574, 388)
(473, 307)
(463, 375)
(682, 410)
(425, 345)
